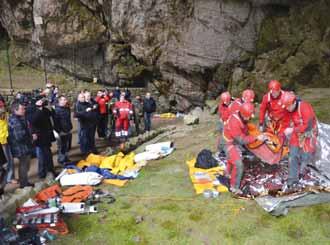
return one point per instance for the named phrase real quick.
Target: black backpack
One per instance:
(205, 160)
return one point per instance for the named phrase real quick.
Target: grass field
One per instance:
(160, 207)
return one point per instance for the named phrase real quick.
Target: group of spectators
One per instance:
(32, 123)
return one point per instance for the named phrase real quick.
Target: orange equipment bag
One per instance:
(77, 194)
(48, 193)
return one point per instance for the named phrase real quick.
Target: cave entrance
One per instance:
(3, 37)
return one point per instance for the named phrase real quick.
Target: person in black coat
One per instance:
(42, 131)
(20, 141)
(63, 127)
(149, 107)
(117, 93)
(86, 113)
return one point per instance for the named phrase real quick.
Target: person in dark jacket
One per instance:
(42, 128)
(3, 172)
(137, 113)
(87, 120)
(20, 141)
(127, 95)
(63, 127)
(117, 93)
(149, 107)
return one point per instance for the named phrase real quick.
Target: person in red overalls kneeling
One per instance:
(303, 136)
(236, 134)
(247, 96)
(273, 117)
(122, 111)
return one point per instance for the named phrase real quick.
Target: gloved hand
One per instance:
(288, 131)
(262, 137)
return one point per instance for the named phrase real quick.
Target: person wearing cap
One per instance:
(273, 118)
(302, 135)
(248, 95)
(236, 135)
(42, 132)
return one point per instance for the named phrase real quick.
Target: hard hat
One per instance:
(287, 99)
(248, 95)
(225, 97)
(247, 109)
(274, 85)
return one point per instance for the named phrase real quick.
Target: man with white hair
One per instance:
(149, 107)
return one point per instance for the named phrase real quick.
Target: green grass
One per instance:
(172, 214)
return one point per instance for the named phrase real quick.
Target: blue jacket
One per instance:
(149, 105)
(20, 139)
(62, 119)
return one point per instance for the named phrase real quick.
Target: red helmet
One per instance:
(248, 95)
(225, 97)
(287, 99)
(247, 109)
(274, 85)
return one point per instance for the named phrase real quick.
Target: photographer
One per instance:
(43, 136)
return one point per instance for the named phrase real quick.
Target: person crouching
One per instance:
(236, 134)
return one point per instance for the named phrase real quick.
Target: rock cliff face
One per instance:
(186, 50)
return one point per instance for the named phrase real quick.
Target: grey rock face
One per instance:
(186, 50)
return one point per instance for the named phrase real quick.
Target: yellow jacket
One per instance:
(3, 131)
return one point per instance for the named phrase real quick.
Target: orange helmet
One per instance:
(248, 95)
(225, 97)
(287, 99)
(274, 85)
(247, 109)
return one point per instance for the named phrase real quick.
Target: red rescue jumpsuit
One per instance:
(278, 116)
(303, 140)
(224, 113)
(235, 105)
(122, 111)
(235, 134)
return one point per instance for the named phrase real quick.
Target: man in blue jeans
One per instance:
(149, 107)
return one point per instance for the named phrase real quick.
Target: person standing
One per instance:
(102, 126)
(20, 141)
(63, 126)
(149, 107)
(95, 116)
(42, 129)
(10, 177)
(117, 93)
(272, 117)
(302, 136)
(137, 113)
(122, 111)
(87, 122)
